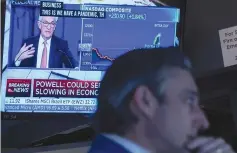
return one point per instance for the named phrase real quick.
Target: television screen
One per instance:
(56, 52)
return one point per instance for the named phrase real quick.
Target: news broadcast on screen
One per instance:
(56, 52)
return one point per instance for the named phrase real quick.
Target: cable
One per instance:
(67, 57)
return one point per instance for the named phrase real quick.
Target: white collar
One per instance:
(41, 40)
(127, 144)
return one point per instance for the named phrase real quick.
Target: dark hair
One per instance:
(137, 67)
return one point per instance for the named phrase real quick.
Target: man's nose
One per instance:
(201, 119)
(48, 27)
(205, 122)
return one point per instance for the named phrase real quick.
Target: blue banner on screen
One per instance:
(55, 53)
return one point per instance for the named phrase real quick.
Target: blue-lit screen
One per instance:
(81, 49)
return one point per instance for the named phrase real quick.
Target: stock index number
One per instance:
(117, 16)
(89, 25)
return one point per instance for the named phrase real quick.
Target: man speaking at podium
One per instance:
(45, 50)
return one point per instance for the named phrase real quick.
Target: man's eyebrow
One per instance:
(191, 92)
(48, 22)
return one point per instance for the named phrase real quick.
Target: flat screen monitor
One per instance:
(56, 52)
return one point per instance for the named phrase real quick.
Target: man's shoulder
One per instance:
(59, 40)
(102, 144)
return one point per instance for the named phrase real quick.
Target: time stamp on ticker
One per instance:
(51, 101)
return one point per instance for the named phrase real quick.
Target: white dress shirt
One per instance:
(40, 52)
(127, 144)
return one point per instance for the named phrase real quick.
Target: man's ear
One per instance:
(145, 101)
(39, 24)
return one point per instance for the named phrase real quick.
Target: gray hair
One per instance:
(121, 117)
(125, 75)
(55, 18)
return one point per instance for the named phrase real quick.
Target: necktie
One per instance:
(44, 56)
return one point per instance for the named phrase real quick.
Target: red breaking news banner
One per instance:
(18, 88)
(65, 88)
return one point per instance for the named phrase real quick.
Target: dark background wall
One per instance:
(203, 20)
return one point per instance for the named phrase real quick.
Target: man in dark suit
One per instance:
(45, 50)
(148, 103)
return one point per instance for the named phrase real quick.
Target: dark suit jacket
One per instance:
(103, 144)
(59, 54)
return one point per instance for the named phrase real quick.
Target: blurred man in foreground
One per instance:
(148, 103)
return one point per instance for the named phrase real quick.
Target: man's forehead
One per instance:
(190, 91)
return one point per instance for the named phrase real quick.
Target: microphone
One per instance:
(66, 57)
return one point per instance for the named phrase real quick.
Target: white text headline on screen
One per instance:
(66, 92)
(71, 13)
(55, 5)
(62, 88)
(21, 85)
(106, 9)
(67, 84)
(56, 9)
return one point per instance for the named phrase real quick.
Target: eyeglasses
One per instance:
(47, 24)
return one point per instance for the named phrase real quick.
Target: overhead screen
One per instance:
(55, 53)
